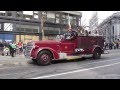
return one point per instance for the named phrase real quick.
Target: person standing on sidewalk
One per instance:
(1, 48)
(24, 48)
(20, 47)
(12, 49)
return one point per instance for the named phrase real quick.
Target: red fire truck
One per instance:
(71, 46)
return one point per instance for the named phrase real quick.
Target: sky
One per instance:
(86, 15)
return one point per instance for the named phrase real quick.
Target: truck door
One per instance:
(68, 46)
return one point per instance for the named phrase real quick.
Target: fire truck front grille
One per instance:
(29, 47)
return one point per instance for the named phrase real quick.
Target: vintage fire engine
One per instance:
(70, 47)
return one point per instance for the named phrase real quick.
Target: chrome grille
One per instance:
(29, 47)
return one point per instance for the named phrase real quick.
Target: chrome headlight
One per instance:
(79, 50)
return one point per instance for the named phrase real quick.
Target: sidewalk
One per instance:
(18, 60)
(112, 50)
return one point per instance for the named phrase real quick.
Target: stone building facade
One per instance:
(110, 28)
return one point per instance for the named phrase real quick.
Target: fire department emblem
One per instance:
(65, 47)
(92, 41)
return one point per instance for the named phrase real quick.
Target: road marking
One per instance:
(101, 61)
(66, 72)
(54, 75)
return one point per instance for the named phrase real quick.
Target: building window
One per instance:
(27, 18)
(64, 19)
(8, 26)
(19, 14)
(113, 29)
(57, 18)
(28, 12)
(45, 28)
(35, 12)
(51, 28)
(51, 17)
(2, 13)
(71, 19)
(64, 31)
(0, 26)
(9, 13)
(35, 16)
(27, 28)
(74, 21)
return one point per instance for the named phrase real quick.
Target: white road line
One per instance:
(68, 73)
(54, 75)
(101, 61)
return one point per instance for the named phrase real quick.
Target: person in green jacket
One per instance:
(12, 49)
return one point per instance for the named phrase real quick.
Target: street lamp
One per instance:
(42, 24)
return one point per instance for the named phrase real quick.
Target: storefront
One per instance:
(7, 37)
(26, 38)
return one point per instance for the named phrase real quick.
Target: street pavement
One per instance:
(108, 67)
(8, 61)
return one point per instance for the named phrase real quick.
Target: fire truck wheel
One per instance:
(96, 54)
(44, 58)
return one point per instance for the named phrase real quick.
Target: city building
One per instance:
(93, 24)
(25, 25)
(110, 28)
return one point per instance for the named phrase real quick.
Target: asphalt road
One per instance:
(108, 67)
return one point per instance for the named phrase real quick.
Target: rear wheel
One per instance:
(97, 54)
(44, 58)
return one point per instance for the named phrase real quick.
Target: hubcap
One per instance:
(97, 54)
(45, 57)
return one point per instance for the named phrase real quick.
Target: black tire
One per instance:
(2, 54)
(44, 58)
(34, 60)
(97, 54)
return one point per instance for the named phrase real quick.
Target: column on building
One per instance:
(118, 32)
(14, 24)
(39, 18)
(118, 29)
(2, 26)
(112, 31)
(115, 30)
(78, 19)
(107, 34)
(6, 13)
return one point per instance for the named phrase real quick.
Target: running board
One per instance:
(78, 57)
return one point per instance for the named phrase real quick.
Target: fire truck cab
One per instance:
(70, 46)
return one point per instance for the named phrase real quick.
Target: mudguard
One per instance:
(96, 46)
(54, 53)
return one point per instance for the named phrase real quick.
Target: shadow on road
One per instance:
(30, 62)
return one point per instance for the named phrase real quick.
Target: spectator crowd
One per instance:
(112, 45)
(12, 48)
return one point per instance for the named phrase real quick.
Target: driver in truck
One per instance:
(71, 35)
